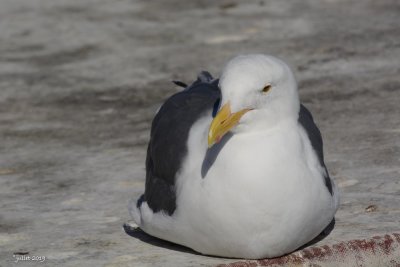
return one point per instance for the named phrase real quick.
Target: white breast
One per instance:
(262, 196)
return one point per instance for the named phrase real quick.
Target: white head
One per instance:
(257, 91)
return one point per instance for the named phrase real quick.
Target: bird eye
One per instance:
(266, 88)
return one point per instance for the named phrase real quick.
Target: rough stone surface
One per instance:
(376, 251)
(81, 80)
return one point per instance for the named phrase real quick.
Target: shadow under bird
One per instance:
(235, 166)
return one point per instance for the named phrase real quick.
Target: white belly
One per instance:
(264, 195)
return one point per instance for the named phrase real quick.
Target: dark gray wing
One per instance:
(307, 121)
(169, 132)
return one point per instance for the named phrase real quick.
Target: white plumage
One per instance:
(259, 192)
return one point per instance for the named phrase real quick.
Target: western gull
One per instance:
(235, 166)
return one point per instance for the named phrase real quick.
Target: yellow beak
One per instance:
(223, 123)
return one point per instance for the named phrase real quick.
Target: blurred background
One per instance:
(81, 80)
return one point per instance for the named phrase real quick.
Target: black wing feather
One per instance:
(307, 121)
(169, 132)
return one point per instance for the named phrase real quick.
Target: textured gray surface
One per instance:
(81, 80)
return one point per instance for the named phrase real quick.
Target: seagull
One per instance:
(235, 165)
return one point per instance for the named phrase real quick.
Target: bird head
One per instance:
(257, 91)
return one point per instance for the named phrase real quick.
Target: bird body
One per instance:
(259, 190)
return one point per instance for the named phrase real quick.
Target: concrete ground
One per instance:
(81, 80)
